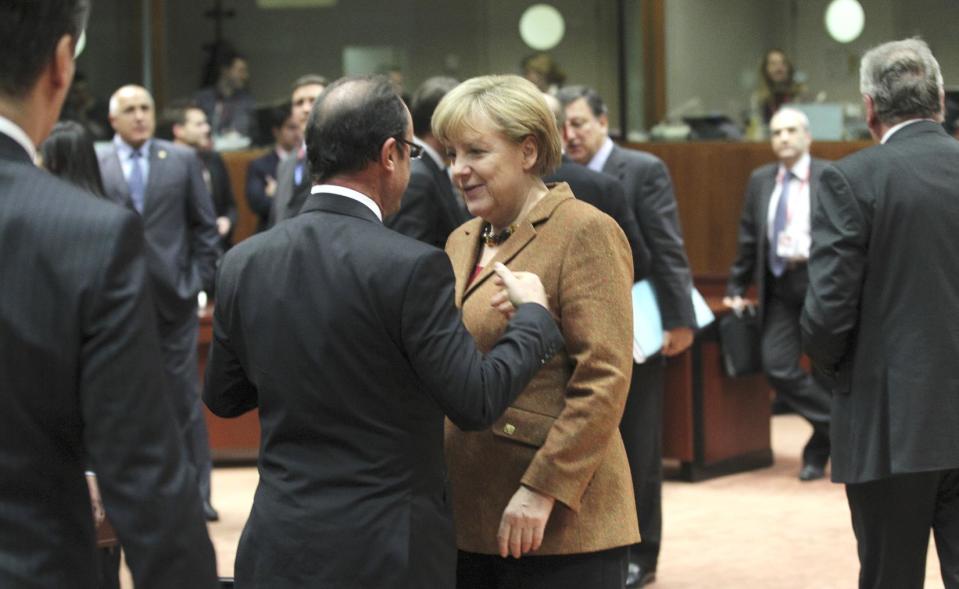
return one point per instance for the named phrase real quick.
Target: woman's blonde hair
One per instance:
(514, 105)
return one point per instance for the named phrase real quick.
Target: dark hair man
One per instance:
(261, 174)
(293, 178)
(774, 240)
(228, 104)
(344, 333)
(80, 380)
(190, 128)
(880, 318)
(649, 191)
(431, 208)
(179, 230)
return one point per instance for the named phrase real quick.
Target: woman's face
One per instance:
(492, 172)
(777, 70)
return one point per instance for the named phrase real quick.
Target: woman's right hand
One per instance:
(523, 523)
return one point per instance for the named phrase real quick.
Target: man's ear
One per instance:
(388, 154)
(603, 122)
(62, 65)
(872, 119)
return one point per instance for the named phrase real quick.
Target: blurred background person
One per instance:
(188, 126)
(778, 84)
(228, 103)
(772, 253)
(293, 180)
(261, 173)
(87, 109)
(68, 153)
(543, 71)
(179, 229)
(556, 455)
(431, 208)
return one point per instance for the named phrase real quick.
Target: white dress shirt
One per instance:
(602, 154)
(794, 240)
(13, 131)
(349, 193)
(125, 153)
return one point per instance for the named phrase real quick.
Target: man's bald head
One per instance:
(350, 121)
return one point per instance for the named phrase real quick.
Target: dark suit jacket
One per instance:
(882, 308)
(290, 196)
(179, 225)
(749, 267)
(650, 193)
(345, 335)
(221, 191)
(82, 386)
(256, 174)
(606, 194)
(429, 211)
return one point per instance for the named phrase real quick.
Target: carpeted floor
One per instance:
(758, 530)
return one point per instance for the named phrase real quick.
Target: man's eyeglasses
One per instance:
(415, 150)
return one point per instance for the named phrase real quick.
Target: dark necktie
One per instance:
(137, 186)
(776, 264)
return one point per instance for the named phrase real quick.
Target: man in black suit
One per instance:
(262, 172)
(773, 250)
(189, 127)
(293, 178)
(81, 383)
(649, 191)
(431, 208)
(163, 183)
(345, 336)
(602, 191)
(880, 320)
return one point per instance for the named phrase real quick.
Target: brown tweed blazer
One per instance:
(561, 435)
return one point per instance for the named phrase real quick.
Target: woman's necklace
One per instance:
(494, 240)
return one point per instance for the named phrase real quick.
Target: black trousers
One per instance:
(178, 343)
(781, 352)
(594, 570)
(892, 518)
(642, 431)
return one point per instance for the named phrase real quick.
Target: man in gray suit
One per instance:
(80, 380)
(163, 183)
(773, 250)
(293, 180)
(880, 321)
(650, 194)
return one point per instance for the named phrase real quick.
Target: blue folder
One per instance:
(648, 324)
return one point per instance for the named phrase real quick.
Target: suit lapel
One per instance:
(525, 233)
(463, 259)
(158, 163)
(113, 176)
(767, 188)
(614, 164)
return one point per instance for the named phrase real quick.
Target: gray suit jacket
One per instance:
(289, 196)
(179, 225)
(881, 313)
(749, 266)
(650, 193)
(82, 386)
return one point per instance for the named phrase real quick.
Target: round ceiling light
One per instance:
(542, 27)
(845, 20)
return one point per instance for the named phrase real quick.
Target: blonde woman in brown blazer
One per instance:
(548, 484)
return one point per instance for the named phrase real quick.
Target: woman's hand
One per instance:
(523, 523)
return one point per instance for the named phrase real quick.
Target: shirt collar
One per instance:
(126, 150)
(892, 130)
(431, 152)
(349, 193)
(800, 169)
(599, 159)
(15, 132)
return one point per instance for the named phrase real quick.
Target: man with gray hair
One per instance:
(880, 317)
(773, 250)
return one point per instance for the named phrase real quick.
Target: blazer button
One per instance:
(509, 429)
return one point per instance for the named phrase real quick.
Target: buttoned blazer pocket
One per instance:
(523, 427)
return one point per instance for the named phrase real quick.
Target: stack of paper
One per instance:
(648, 324)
